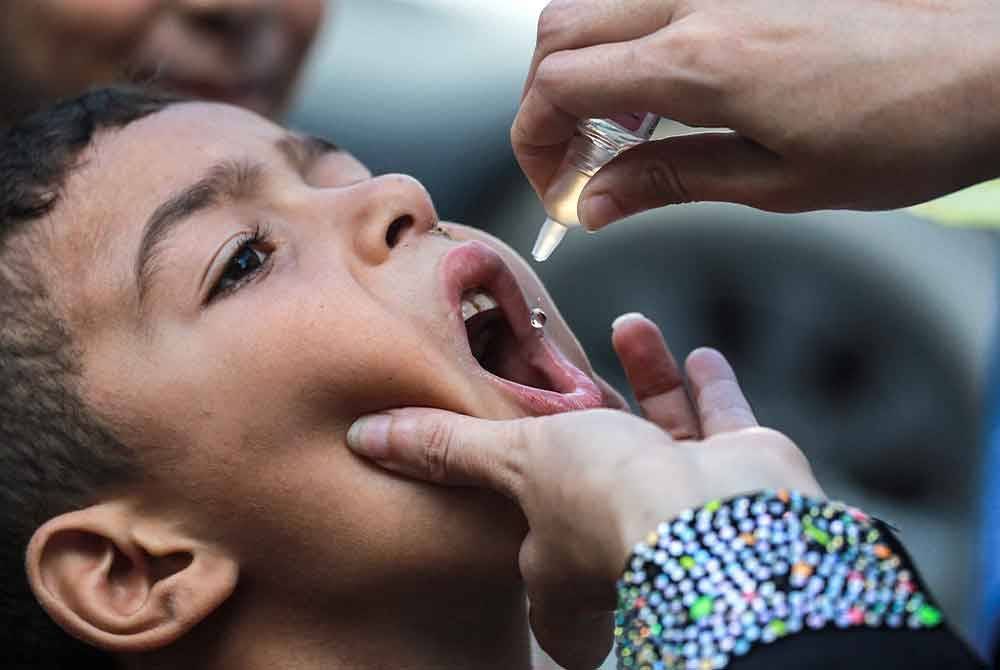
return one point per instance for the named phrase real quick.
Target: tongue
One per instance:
(511, 360)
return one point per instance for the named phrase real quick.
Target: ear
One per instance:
(123, 582)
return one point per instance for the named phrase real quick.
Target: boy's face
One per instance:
(234, 366)
(245, 52)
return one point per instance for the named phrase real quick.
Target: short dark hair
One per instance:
(56, 455)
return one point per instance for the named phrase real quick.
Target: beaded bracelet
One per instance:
(731, 575)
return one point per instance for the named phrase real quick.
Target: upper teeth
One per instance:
(475, 301)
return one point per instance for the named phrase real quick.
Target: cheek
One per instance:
(98, 21)
(318, 522)
(302, 18)
(69, 45)
(292, 362)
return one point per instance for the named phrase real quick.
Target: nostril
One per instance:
(396, 229)
(217, 22)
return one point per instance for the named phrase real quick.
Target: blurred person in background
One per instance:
(244, 52)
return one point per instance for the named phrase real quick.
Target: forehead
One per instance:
(146, 161)
(93, 234)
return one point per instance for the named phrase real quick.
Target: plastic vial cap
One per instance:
(549, 237)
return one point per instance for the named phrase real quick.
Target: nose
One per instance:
(391, 211)
(225, 18)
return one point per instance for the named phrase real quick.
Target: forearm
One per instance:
(760, 582)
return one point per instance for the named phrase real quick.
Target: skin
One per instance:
(245, 52)
(856, 104)
(254, 518)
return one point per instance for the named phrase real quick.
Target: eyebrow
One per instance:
(301, 151)
(226, 181)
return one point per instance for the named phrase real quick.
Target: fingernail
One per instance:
(624, 318)
(369, 436)
(598, 210)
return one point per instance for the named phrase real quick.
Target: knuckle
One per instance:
(438, 439)
(687, 47)
(548, 76)
(523, 131)
(516, 133)
(661, 180)
(552, 24)
(514, 467)
(781, 449)
(695, 55)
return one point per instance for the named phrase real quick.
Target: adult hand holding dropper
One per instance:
(854, 104)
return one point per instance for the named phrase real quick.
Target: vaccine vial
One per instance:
(596, 143)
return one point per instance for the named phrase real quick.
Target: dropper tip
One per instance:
(549, 237)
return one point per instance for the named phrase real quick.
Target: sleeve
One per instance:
(779, 580)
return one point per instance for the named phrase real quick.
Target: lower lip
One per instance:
(475, 264)
(574, 389)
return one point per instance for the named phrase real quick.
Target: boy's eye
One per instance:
(247, 260)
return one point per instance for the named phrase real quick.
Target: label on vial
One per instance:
(640, 123)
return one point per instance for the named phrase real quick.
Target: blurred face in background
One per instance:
(244, 52)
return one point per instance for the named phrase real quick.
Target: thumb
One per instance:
(442, 447)
(719, 166)
(573, 639)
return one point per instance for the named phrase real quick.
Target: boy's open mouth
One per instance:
(489, 307)
(494, 345)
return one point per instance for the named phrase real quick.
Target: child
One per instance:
(196, 304)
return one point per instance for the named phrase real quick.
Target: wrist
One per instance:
(717, 581)
(646, 502)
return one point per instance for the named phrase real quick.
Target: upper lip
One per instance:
(481, 267)
(208, 85)
(475, 265)
(223, 89)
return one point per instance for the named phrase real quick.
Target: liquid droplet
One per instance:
(538, 318)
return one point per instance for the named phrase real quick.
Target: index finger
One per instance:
(601, 81)
(572, 24)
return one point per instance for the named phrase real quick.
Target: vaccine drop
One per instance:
(538, 318)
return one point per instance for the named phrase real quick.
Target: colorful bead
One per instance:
(752, 570)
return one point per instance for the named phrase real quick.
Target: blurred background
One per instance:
(864, 337)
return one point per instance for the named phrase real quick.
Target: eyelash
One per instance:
(259, 241)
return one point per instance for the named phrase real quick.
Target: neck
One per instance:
(481, 626)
